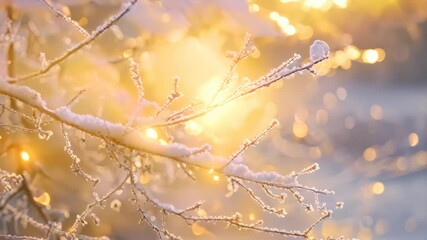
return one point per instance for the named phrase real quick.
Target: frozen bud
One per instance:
(319, 50)
(95, 219)
(115, 205)
(339, 205)
(231, 54)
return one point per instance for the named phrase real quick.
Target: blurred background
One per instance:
(363, 118)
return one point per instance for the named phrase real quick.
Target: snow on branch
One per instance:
(132, 152)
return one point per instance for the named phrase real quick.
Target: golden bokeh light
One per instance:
(254, 7)
(316, 4)
(144, 179)
(151, 133)
(193, 128)
(25, 156)
(43, 199)
(370, 154)
(300, 129)
(378, 188)
(413, 139)
(197, 229)
(370, 56)
(352, 52)
(215, 178)
(202, 213)
(341, 3)
(274, 16)
(252, 216)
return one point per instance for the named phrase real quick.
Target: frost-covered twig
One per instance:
(98, 31)
(66, 18)
(273, 76)
(75, 166)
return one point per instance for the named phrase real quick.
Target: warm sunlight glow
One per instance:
(274, 16)
(216, 178)
(252, 216)
(341, 3)
(370, 56)
(315, 3)
(25, 156)
(43, 199)
(151, 133)
(378, 188)
(289, 30)
(192, 128)
(413, 139)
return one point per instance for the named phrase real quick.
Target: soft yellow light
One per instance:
(315, 3)
(413, 139)
(300, 129)
(144, 179)
(341, 3)
(274, 16)
(25, 156)
(289, 30)
(370, 154)
(211, 171)
(197, 229)
(252, 216)
(352, 52)
(254, 7)
(283, 21)
(216, 178)
(151, 133)
(340, 57)
(202, 213)
(381, 54)
(43, 199)
(127, 53)
(378, 188)
(163, 142)
(192, 128)
(370, 56)
(66, 11)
